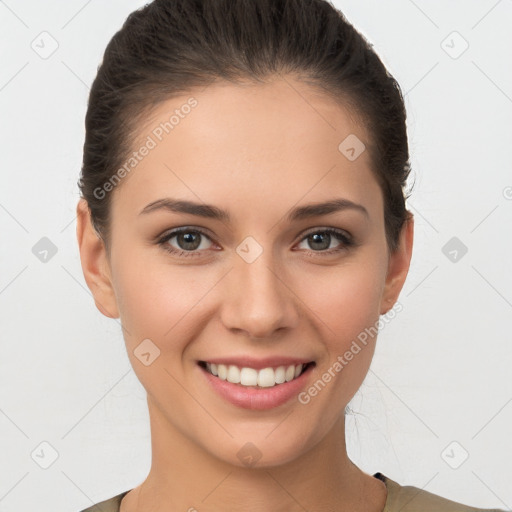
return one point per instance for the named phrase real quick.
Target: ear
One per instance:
(398, 266)
(95, 264)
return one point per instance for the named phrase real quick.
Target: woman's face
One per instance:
(262, 285)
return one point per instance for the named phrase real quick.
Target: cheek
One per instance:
(161, 303)
(345, 303)
(344, 299)
(158, 300)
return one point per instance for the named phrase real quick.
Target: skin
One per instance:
(256, 151)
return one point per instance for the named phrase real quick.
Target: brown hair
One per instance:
(169, 47)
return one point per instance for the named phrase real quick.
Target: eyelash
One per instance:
(346, 240)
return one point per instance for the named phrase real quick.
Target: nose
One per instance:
(258, 301)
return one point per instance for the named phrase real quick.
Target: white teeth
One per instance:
(223, 371)
(280, 375)
(290, 373)
(248, 377)
(233, 374)
(265, 378)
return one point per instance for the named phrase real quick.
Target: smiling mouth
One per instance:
(250, 377)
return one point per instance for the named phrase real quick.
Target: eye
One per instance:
(192, 241)
(189, 241)
(321, 240)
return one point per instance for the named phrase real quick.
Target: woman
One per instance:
(243, 214)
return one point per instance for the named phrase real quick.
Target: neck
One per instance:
(183, 476)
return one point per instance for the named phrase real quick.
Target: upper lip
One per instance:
(258, 364)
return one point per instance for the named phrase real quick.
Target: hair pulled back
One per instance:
(168, 47)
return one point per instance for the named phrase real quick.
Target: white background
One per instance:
(441, 371)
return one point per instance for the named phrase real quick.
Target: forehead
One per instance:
(274, 140)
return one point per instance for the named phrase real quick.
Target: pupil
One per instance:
(188, 239)
(317, 238)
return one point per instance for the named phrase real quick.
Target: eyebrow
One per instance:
(212, 212)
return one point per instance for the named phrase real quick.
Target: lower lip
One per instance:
(257, 398)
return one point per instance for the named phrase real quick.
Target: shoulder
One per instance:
(110, 505)
(412, 499)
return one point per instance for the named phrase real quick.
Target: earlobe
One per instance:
(398, 266)
(94, 262)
